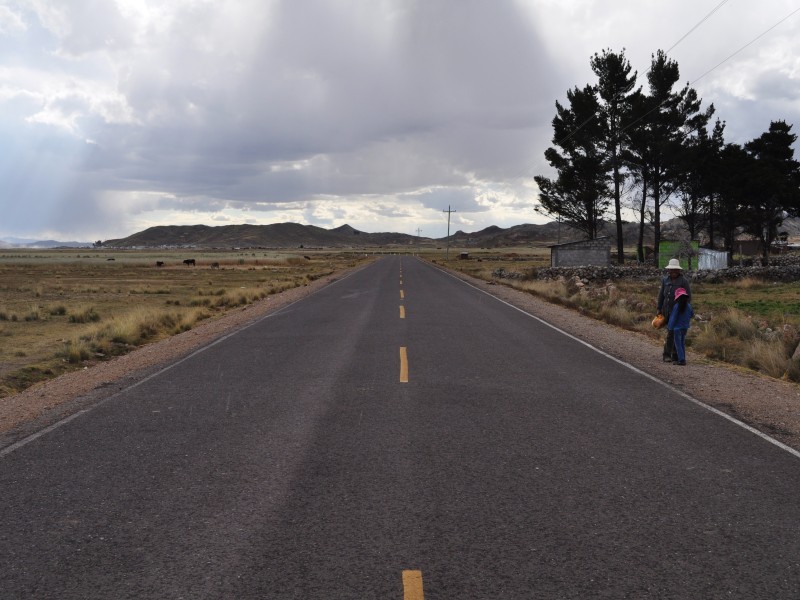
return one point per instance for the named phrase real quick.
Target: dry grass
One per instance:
(61, 310)
(749, 283)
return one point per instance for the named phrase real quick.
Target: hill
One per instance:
(294, 235)
(278, 235)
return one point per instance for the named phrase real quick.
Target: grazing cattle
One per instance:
(189, 262)
(215, 265)
(111, 259)
(159, 263)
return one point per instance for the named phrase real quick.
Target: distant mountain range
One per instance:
(294, 235)
(28, 243)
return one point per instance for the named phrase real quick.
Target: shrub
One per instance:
(749, 283)
(88, 315)
(76, 351)
(717, 343)
(734, 324)
(618, 314)
(768, 357)
(142, 325)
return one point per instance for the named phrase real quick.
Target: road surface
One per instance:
(399, 435)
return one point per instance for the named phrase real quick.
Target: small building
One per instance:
(712, 259)
(585, 253)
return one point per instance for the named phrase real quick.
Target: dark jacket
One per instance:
(666, 295)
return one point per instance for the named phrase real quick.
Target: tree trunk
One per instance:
(656, 217)
(618, 210)
(711, 221)
(640, 245)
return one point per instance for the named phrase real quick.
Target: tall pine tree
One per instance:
(665, 118)
(579, 194)
(775, 184)
(615, 85)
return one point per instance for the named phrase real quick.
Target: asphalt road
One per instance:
(293, 460)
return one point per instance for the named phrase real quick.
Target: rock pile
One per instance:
(596, 273)
(772, 273)
(786, 272)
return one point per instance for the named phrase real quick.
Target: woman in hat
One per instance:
(670, 283)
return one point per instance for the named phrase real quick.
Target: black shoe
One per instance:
(681, 363)
(666, 359)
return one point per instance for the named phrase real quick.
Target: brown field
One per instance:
(61, 310)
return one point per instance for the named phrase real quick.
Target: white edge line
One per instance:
(708, 407)
(34, 436)
(27, 440)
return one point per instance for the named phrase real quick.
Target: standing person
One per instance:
(678, 324)
(673, 280)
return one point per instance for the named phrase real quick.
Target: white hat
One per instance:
(674, 263)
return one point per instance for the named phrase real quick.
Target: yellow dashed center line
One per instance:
(402, 295)
(403, 365)
(402, 312)
(412, 585)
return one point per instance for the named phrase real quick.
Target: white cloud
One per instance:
(376, 113)
(11, 22)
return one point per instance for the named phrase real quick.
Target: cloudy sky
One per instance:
(117, 115)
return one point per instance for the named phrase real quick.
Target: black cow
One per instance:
(159, 263)
(189, 262)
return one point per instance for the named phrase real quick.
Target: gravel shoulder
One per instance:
(769, 405)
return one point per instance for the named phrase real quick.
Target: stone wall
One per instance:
(589, 252)
(787, 271)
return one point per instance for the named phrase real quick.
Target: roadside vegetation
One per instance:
(750, 323)
(62, 310)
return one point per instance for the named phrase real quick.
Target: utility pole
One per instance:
(447, 250)
(418, 232)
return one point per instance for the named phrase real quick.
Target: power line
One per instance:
(750, 43)
(715, 9)
(703, 20)
(448, 211)
(687, 34)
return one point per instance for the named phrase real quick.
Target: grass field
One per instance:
(60, 309)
